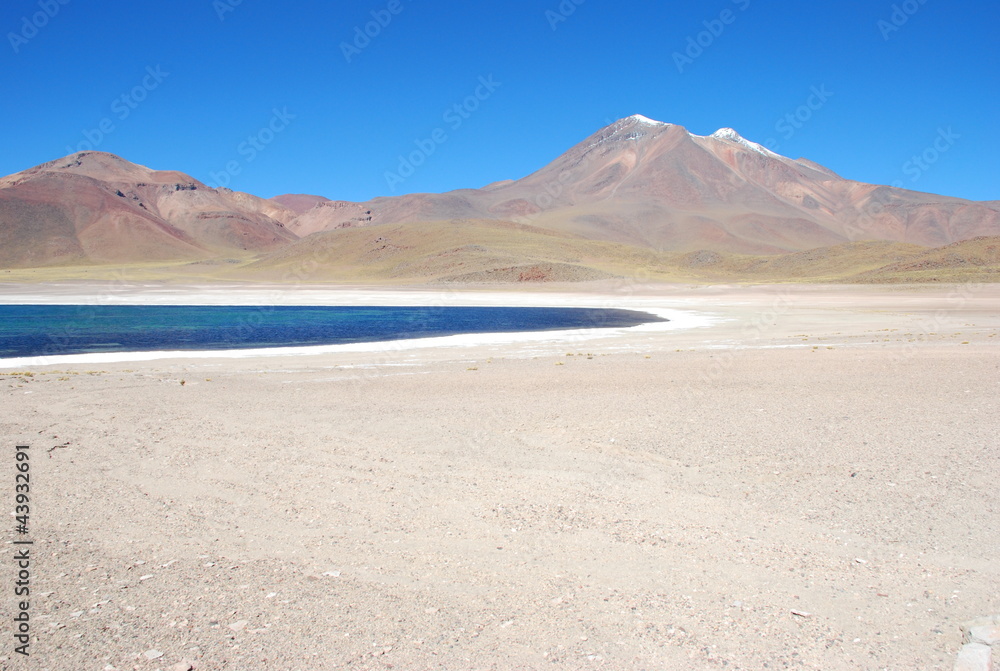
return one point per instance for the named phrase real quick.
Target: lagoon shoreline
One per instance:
(63, 334)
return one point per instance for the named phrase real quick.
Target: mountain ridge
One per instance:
(637, 183)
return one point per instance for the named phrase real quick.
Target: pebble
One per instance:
(152, 654)
(974, 657)
(987, 634)
(238, 625)
(183, 665)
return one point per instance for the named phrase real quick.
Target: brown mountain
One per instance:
(299, 203)
(638, 193)
(489, 251)
(654, 184)
(94, 207)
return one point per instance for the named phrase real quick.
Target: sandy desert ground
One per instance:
(786, 478)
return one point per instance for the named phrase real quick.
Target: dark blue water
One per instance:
(38, 330)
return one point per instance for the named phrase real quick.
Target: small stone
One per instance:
(333, 574)
(430, 611)
(987, 635)
(985, 630)
(183, 665)
(145, 577)
(238, 625)
(974, 657)
(801, 613)
(152, 654)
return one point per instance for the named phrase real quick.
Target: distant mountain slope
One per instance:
(976, 260)
(654, 184)
(517, 253)
(96, 207)
(436, 251)
(299, 203)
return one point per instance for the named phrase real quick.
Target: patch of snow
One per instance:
(629, 128)
(730, 135)
(646, 120)
(727, 134)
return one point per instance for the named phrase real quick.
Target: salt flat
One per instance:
(786, 477)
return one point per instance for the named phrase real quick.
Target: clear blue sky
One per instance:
(223, 67)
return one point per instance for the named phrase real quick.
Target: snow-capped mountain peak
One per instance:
(638, 118)
(730, 135)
